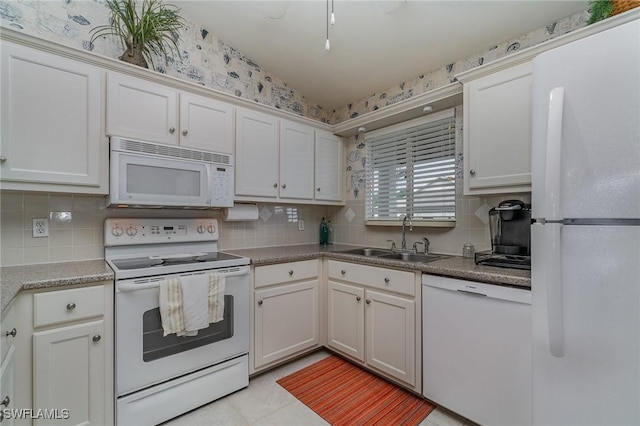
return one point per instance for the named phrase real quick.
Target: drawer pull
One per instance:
(343, 272)
(386, 280)
(71, 306)
(368, 301)
(358, 298)
(11, 333)
(96, 338)
(291, 273)
(259, 302)
(5, 401)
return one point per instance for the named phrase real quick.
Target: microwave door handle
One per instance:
(209, 186)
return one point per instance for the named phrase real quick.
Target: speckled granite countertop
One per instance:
(27, 277)
(454, 266)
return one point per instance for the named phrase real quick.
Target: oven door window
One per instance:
(156, 346)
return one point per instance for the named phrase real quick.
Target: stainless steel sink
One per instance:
(367, 252)
(413, 257)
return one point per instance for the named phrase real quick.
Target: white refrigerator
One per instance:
(586, 234)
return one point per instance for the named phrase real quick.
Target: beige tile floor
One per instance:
(265, 402)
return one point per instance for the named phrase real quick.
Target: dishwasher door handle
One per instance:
(472, 293)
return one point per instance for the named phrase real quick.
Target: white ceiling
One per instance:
(374, 44)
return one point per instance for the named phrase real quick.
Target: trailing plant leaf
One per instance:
(155, 29)
(600, 9)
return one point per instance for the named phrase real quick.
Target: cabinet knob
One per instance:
(386, 280)
(318, 189)
(11, 333)
(343, 272)
(472, 172)
(358, 298)
(259, 302)
(185, 132)
(172, 130)
(284, 185)
(368, 301)
(71, 306)
(3, 158)
(96, 338)
(5, 401)
(291, 273)
(275, 185)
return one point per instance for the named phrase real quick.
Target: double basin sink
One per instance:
(388, 254)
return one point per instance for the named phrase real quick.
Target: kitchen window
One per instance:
(410, 169)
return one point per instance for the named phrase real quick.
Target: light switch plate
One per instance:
(301, 225)
(40, 228)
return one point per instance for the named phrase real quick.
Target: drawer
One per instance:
(67, 305)
(285, 272)
(372, 276)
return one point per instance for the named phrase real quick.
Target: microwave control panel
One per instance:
(222, 186)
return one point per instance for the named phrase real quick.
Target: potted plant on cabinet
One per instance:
(153, 30)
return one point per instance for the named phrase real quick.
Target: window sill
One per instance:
(434, 223)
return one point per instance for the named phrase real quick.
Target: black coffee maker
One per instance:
(510, 227)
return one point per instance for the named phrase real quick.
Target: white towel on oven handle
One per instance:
(216, 297)
(195, 303)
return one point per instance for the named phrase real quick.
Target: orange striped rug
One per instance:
(345, 394)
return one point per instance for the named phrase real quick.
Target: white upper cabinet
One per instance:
(140, 109)
(497, 132)
(52, 135)
(329, 175)
(256, 154)
(206, 124)
(296, 160)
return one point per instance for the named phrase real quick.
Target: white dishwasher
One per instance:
(476, 348)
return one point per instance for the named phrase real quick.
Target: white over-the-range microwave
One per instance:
(144, 174)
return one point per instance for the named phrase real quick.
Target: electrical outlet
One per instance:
(301, 225)
(40, 228)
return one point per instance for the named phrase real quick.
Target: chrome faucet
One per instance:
(426, 242)
(404, 242)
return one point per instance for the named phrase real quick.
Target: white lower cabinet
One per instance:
(372, 318)
(68, 365)
(7, 375)
(64, 357)
(286, 315)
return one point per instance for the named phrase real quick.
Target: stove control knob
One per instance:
(116, 231)
(211, 229)
(200, 229)
(132, 231)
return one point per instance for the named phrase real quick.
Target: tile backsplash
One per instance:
(76, 226)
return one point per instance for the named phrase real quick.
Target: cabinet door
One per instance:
(256, 154)
(206, 124)
(390, 335)
(329, 182)
(69, 372)
(286, 321)
(346, 319)
(497, 132)
(7, 386)
(51, 123)
(296, 160)
(139, 109)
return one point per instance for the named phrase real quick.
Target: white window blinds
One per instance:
(410, 169)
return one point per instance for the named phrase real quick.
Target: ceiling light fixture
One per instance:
(427, 109)
(362, 129)
(333, 16)
(327, 45)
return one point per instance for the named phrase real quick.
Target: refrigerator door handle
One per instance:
(553, 267)
(551, 208)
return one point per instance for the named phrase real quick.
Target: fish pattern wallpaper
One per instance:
(206, 60)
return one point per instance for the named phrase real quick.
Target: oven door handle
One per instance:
(156, 283)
